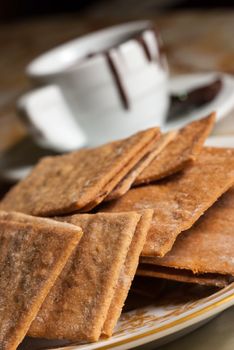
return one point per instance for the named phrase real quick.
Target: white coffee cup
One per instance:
(100, 87)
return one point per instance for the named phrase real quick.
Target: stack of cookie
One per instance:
(74, 230)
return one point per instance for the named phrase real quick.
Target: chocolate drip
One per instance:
(114, 65)
(144, 45)
(186, 102)
(161, 48)
(141, 40)
(118, 80)
(115, 73)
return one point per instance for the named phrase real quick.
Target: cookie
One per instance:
(125, 184)
(179, 201)
(207, 247)
(186, 276)
(77, 306)
(128, 272)
(31, 258)
(76, 181)
(180, 152)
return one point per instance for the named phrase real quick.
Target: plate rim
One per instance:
(213, 307)
(227, 79)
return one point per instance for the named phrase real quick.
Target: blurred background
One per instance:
(198, 36)
(26, 8)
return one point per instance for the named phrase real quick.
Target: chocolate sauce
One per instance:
(144, 45)
(115, 68)
(118, 80)
(188, 101)
(161, 47)
(114, 64)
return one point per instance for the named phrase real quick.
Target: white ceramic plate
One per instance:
(18, 161)
(220, 141)
(153, 325)
(222, 104)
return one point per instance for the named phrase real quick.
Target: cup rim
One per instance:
(34, 70)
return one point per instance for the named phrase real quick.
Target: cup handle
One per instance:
(48, 118)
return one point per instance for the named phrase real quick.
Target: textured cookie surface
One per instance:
(125, 184)
(77, 306)
(31, 258)
(128, 272)
(180, 152)
(179, 201)
(186, 276)
(63, 184)
(208, 246)
(22, 218)
(122, 180)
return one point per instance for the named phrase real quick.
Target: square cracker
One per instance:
(31, 258)
(128, 272)
(208, 246)
(179, 201)
(71, 182)
(77, 306)
(186, 276)
(125, 184)
(14, 216)
(122, 181)
(180, 152)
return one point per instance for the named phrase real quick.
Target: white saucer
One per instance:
(220, 141)
(17, 162)
(222, 104)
